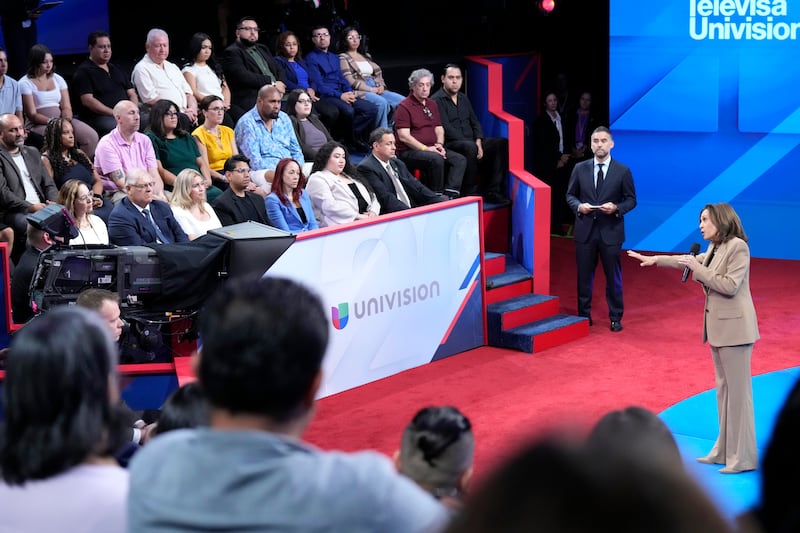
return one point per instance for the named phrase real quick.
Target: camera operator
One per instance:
(38, 241)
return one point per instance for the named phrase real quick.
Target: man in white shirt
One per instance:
(156, 79)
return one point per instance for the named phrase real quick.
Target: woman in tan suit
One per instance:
(729, 326)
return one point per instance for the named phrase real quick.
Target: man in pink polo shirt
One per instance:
(122, 149)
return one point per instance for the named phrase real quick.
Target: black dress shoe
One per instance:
(616, 326)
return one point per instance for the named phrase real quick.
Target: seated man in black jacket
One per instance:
(237, 204)
(395, 186)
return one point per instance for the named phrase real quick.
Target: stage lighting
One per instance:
(546, 6)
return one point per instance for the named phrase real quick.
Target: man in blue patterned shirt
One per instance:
(265, 135)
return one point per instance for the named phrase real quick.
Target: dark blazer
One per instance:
(12, 191)
(419, 194)
(244, 77)
(300, 133)
(228, 214)
(617, 187)
(291, 76)
(128, 227)
(545, 146)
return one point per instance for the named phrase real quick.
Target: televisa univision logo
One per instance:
(340, 314)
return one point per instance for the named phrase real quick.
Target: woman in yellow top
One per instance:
(215, 140)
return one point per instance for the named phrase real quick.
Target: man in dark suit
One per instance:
(248, 65)
(25, 186)
(600, 192)
(237, 204)
(382, 168)
(139, 219)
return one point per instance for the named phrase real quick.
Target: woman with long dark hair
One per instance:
(175, 148)
(65, 161)
(338, 192)
(204, 75)
(62, 427)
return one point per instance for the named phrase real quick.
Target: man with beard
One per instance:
(265, 135)
(248, 65)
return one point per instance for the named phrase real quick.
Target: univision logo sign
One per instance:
(339, 315)
(385, 302)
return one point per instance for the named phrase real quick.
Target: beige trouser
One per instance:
(736, 443)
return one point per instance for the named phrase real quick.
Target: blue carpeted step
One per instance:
(520, 310)
(495, 263)
(542, 334)
(514, 273)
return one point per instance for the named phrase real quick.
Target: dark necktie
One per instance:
(159, 234)
(599, 176)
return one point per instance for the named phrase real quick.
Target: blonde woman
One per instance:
(188, 202)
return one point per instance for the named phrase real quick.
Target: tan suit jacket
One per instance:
(730, 316)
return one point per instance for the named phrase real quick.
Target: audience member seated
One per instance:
(365, 76)
(249, 66)
(485, 156)
(62, 427)
(156, 78)
(311, 133)
(64, 162)
(205, 78)
(140, 218)
(357, 116)
(288, 205)
(338, 192)
(37, 242)
(420, 138)
(776, 507)
(215, 140)
(100, 84)
(637, 431)
(25, 185)
(238, 203)
(185, 407)
(395, 187)
(289, 55)
(557, 486)
(189, 205)
(175, 148)
(265, 136)
(436, 451)
(124, 149)
(76, 197)
(262, 393)
(45, 95)
(10, 97)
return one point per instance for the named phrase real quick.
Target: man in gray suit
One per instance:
(600, 192)
(25, 186)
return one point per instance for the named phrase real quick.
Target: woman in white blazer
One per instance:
(730, 327)
(338, 193)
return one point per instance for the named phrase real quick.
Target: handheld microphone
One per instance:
(695, 248)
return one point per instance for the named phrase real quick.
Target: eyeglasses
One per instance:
(241, 170)
(250, 28)
(304, 100)
(171, 114)
(427, 112)
(353, 37)
(318, 35)
(216, 109)
(148, 185)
